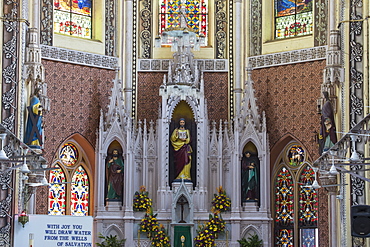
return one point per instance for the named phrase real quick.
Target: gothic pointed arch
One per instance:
(114, 230)
(250, 230)
(71, 182)
(182, 204)
(183, 111)
(295, 202)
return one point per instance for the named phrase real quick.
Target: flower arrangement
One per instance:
(156, 232)
(149, 223)
(221, 202)
(208, 233)
(160, 238)
(141, 200)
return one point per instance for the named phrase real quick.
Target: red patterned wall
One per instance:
(148, 99)
(215, 87)
(288, 95)
(76, 93)
(216, 93)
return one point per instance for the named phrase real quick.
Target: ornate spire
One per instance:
(249, 110)
(116, 109)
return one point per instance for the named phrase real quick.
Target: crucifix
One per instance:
(182, 201)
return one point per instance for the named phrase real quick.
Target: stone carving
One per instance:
(146, 35)
(256, 27)
(78, 57)
(110, 27)
(291, 57)
(47, 22)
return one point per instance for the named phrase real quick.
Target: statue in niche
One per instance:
(115, 173)
(180, 140)
(33, 135)
(250, 167)
(328, 136)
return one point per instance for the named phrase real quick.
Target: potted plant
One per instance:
(111, 241)
(252, 241)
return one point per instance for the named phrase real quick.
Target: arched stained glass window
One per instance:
(80, 193)
(308, 207)
(284, 201)
(70, 188)
(57, 192)
(293, 18)
(296, 203)
(73, 17)
(196, 16)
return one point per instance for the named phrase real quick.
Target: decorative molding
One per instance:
(142, 243)
(46, 23)
(220, 31)
(162, 65)
(78, 57)
(356, 87)
(10, 60)
(290, 57)
(321, 22)
(256, 28)
(231, 58)
(146, 23)
(110, 27)
(134, 57)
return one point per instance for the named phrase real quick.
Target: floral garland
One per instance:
(221, 202)
(142, 202)
(208, 233)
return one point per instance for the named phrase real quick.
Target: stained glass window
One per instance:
(308, 207)
(195, 12)
(73, 17)
(308, 199)
(293, 18)
(69, 190)
(57, 192)
(284, 201)
(296, 206)
(80, 193)
(68, 154)
(296, 155)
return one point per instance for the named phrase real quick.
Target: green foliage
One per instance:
(253, 241)
(111, 241)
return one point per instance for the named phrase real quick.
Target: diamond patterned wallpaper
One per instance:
(76, 93)
(149, 101)
(288, 95)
